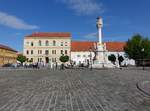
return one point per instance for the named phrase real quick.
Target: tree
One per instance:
(112, 58)
(120, 59)
(64, 59)
(21, 58)
(135, 45)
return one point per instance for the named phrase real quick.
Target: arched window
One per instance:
(61, 44)
(47, 43)
(27, 52)
(31, 51)
(54, 43)
(40, 43)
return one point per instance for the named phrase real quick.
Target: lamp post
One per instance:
(142, 57)
(91, 58)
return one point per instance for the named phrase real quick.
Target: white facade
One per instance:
(49, 49)
(126, 61)
(46, 49)
(82, 57)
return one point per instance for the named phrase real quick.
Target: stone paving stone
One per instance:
(73, 90)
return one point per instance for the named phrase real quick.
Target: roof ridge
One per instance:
(50, 34)
(84, 46)
(7, 47)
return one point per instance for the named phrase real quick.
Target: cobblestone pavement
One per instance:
(72, 90)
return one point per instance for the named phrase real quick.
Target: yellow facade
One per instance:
(7, 56)
(46, 51)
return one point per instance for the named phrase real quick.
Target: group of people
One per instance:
(39, 65)
(52, 65)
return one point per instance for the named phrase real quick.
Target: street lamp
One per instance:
(91, 58)
(142, 57)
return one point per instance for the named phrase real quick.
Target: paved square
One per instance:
(73, 90)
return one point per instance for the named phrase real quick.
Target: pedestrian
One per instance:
(56, 65)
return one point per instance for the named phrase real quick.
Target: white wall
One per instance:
(82, 59)
(126, 61)
(84, 56)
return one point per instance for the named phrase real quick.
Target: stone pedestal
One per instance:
(101, 58)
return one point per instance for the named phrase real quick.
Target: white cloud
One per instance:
(84, 7)
(14, 22)
(91, 36)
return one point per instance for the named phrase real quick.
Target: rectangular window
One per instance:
(39, 51)
(53, 59)
(62, 52)
(53, 51)
(66, 52)
(46, 52)
(40, 59)
(84, 55)
(78, 56)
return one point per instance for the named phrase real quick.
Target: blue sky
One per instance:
(122, 19)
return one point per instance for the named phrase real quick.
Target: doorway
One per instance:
(47, 60)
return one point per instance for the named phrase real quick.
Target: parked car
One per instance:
(7, 65)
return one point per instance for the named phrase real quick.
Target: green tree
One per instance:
(112, 58)
(64, 59)
(120, 59)
(135, 45)
(21, 58)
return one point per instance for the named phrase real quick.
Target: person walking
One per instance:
(56, 65)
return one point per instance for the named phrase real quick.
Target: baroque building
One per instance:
(7, 55)
(82, 52)
(46, 47)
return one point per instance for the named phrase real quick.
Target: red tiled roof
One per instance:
(82, 46)
(77, 46)
(115, 46)
(49, 34)
(7, 48)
